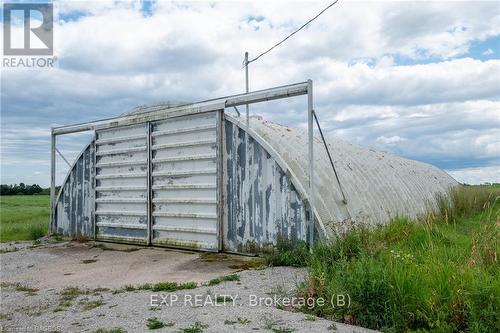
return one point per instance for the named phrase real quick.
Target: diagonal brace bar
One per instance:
(344, 200)
(62, 156)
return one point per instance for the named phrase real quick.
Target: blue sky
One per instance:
(419, 80)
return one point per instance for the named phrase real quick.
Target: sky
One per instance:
(418, 79)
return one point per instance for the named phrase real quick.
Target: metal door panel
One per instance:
(209, 163)
(121, 197)
(186, 194)
(184, 182)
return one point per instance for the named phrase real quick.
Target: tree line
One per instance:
(21, 188)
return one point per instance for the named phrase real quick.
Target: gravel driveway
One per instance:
(34, 303)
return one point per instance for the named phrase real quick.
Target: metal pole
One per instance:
(246, 88)
(149, 184)
(311, 160)
(52, 181)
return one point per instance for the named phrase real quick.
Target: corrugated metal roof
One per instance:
(377, 185)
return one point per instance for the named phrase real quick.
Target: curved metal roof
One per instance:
(377, 185)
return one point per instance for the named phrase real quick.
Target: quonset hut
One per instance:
(195, 176)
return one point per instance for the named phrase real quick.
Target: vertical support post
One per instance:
(247, 88)
(310, 130)
(149, 185)
(52, 181)
(220, 181)
(94, 184)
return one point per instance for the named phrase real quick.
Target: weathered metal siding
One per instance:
(261, 203)
(378, 185)
(121, 184)
(73, 211)
(185, 182)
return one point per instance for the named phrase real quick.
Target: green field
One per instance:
(438, 274)
(24, 217)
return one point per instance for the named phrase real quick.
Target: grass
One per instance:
(160, 286)
(239, 320)
(23, 217)
(220, 279)
(224, 299)
(29, 290)
(111, 330)
(287, 253)
(243, 321)
(89, 305)
(282, 329)
(197, 327)
(154, 324)
(69, 294)
(439, 273)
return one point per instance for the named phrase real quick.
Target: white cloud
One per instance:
(114, 58)
(390, 141)
(479, 175)
(451, 135)
(488, 52)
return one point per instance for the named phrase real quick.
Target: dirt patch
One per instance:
(88, 261)
(236, 262)
(111, 266)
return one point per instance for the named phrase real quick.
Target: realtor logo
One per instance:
(44, 31)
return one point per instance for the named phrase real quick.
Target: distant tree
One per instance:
(33, 189)
(6, 189)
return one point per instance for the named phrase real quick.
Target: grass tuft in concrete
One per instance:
(154, 324)
(24, 288)
(282, 329)
(220, 279)
(173, 286)
(67, 296)
(243, 321)
(89, 305)
(160, 286)
(111, 330)
(197, 327)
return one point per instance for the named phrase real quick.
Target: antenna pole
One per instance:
(246, 88)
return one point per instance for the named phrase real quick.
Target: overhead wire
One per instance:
(290, 35)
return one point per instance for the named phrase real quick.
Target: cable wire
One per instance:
(290, 35)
